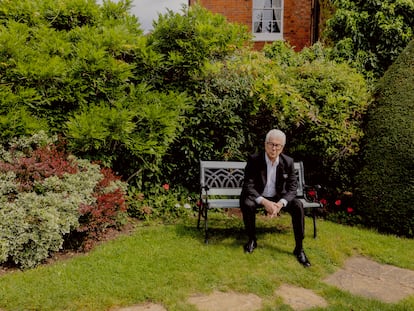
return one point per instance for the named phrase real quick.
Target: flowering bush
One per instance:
(43, 197)
(312, 194)
(339, 209)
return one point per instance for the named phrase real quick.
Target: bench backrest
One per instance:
(226, 177)
(222, 177)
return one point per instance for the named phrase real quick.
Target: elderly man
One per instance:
(270, 181)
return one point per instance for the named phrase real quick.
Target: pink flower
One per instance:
(166, 187)
(338, 202)
(350, 210)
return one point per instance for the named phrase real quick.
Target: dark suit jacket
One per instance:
(255, 177)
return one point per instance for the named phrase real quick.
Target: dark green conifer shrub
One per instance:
(385, 185)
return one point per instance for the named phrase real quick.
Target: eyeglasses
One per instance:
(272, 145)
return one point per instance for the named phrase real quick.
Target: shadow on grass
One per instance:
(230, 230)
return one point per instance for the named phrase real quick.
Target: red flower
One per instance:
(350, 210)
(312, 193)
(338, 202)
(323, 201)
(166, 187)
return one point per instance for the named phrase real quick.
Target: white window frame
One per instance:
(260, 9)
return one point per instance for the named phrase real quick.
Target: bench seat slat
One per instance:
(225, 191)
(234, 203)
(223, 203)
(307, 204)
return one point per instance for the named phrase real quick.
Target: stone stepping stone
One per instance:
(299, 298)
(143, 307)
(229, 301)
(365, 277)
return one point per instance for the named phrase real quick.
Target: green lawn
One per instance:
(168, 263)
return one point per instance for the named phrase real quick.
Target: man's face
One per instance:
(274, 147)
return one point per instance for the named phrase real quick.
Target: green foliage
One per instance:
(72, 67)
(160, 202)
(152, 106)
(370, 34)
(321, 109)
(41, 192)
(190, 40)
(317, 102)
(216, 127)
(19, 122)
(386, 181)
(187, 52)
(65, 57)
(133, 134)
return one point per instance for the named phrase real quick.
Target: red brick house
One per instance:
(295, 21)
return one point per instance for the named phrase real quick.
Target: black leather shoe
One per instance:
(250, 246)
(301, 257)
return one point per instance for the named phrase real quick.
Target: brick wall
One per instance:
(297, 18)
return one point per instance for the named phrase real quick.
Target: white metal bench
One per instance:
(221, 184)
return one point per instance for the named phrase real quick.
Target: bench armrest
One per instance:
(311, 193)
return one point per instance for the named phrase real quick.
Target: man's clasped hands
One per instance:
(272, 208)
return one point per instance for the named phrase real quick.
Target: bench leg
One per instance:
(205, 224)
(199, 216)
(202, 213)
(314, 222)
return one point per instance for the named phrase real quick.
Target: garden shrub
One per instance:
(216, 127)
(130, 135)
(160, 202)
(385, 185)
(190, 41)
(193, 46)
(323, 121)
(108, 210)
(370, 34)
(41, 194)
(78, 69)
(317, 102)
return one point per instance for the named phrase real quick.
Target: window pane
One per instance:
(259, 3)
(277, 3)
(257, 15)
(267, 17)
(278, 14)
(257, 27)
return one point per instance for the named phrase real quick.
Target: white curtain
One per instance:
(267, 16)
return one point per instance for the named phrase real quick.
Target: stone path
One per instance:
(229, 301)
(144, 307)
(360, 276)
(300, 298)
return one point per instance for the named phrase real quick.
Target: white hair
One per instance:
(276, 134)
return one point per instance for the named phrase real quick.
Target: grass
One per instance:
(166, 264)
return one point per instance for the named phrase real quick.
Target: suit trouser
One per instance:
(294, 208)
